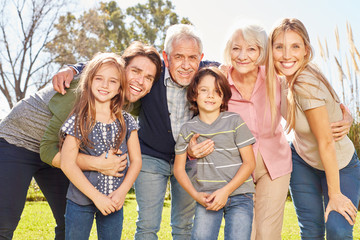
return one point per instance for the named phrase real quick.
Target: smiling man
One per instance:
(142, 69)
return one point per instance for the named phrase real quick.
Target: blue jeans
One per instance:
(17, 167)
(238, 214)
(79, 220)
(150, 189)
(309, 192)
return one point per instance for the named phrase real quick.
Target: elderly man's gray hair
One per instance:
(181, 31)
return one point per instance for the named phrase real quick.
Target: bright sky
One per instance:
(214, 18)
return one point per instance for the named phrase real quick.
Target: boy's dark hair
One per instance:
(221, 84)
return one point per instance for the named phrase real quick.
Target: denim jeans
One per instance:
(238, 214)
(17, 167)
(309, 192)
(79, 220)
(150, 189)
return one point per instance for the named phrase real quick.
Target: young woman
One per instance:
(96, 125)
(326, 174)
(223, 185)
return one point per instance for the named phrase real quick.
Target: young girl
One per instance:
(326, 174)
(96, 125)
(223, 185)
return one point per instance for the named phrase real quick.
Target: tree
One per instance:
(151, 20)
(109, 28)
(26, 27)
(78, 39)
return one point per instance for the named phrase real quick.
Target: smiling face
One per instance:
(183, 61)
(140, 76)
(243, 55)
(289, 53)
(106, 83)
(209, 97)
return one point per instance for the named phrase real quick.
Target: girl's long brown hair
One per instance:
(84, 108)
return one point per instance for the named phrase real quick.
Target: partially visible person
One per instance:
(222, 186)
(98, 125)
(20, 134)
(325, 182)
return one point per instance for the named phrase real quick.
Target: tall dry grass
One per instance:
(348, 78)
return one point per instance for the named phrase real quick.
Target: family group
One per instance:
(212, 130)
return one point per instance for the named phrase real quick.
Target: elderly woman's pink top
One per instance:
(272, 145)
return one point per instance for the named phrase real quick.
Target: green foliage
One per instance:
(78, 39)
(151, 20)
(110, 28)
(354, 134)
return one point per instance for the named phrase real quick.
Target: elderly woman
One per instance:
(245, 51)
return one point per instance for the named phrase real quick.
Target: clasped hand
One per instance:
(214, 201)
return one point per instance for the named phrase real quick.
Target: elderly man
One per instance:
(23, 128)
(162, 113)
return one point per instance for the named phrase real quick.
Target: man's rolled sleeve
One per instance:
(60, 106)
(78, 67)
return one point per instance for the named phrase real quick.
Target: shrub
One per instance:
(354, 135)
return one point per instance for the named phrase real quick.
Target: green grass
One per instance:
(37, 222)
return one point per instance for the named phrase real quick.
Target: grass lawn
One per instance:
(37, 222)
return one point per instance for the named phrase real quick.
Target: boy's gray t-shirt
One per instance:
(102, 137)
(229, 133)
(25, 125)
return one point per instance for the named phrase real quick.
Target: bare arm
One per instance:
(184, 181)
(134, 169)
(69, 154)
(320, 126)
(111, 166)
(219, 198)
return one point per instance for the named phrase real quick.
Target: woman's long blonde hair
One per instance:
(295, 25)
(84, 108)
